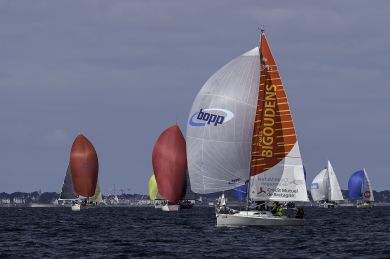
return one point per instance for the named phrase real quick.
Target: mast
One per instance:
(249, 180)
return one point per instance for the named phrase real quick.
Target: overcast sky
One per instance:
(123, 71)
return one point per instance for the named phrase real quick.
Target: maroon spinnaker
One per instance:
(84, 166)
(170, 163)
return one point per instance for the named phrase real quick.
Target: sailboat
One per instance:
(240, 130)
(169, 166)
(68, 195)
(360, 190)
(84, 167)
(325, 188)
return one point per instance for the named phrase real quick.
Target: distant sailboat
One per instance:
(153, 193)
(84, 169)
(169, 166)
(68, 195)
(325, 188)
(240, 130)
(360, 190)
(152, 188)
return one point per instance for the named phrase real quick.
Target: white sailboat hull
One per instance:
(327, 205)
(256, 218)
(168, 207)
(76, 207)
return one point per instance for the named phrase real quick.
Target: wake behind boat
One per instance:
(240, 130)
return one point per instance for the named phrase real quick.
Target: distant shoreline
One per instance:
(47, 199)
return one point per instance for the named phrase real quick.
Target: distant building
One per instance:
(5, 201)
(17, 200)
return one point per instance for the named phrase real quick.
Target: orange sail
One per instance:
(274, 133)
(84, 166)
(170, 163)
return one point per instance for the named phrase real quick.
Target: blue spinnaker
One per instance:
(355, 185)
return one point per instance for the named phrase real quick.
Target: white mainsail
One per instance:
(334, 187)
(325, 186)
(368, 195)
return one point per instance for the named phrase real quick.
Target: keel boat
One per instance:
(325, 188)
(240, 131)
(360, 190)
(84, 168)
(170, 166)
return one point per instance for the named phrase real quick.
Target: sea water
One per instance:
(126, 232)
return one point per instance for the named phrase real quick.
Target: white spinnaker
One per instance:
(219, 155)
(334, 187)
(283, 182)
(319, 186)
(367, 188)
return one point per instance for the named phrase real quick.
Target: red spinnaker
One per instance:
(84, 166)
(170, 163)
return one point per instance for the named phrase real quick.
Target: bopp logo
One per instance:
(208, 117)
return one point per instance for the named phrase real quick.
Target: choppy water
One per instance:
(146, 232)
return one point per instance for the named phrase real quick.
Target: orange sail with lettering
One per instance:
(274, 133)
(84, 166)
(276, 169)
(170, 163)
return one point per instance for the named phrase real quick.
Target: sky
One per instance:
(121, 72)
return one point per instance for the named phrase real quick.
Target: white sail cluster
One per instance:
(325, 186)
